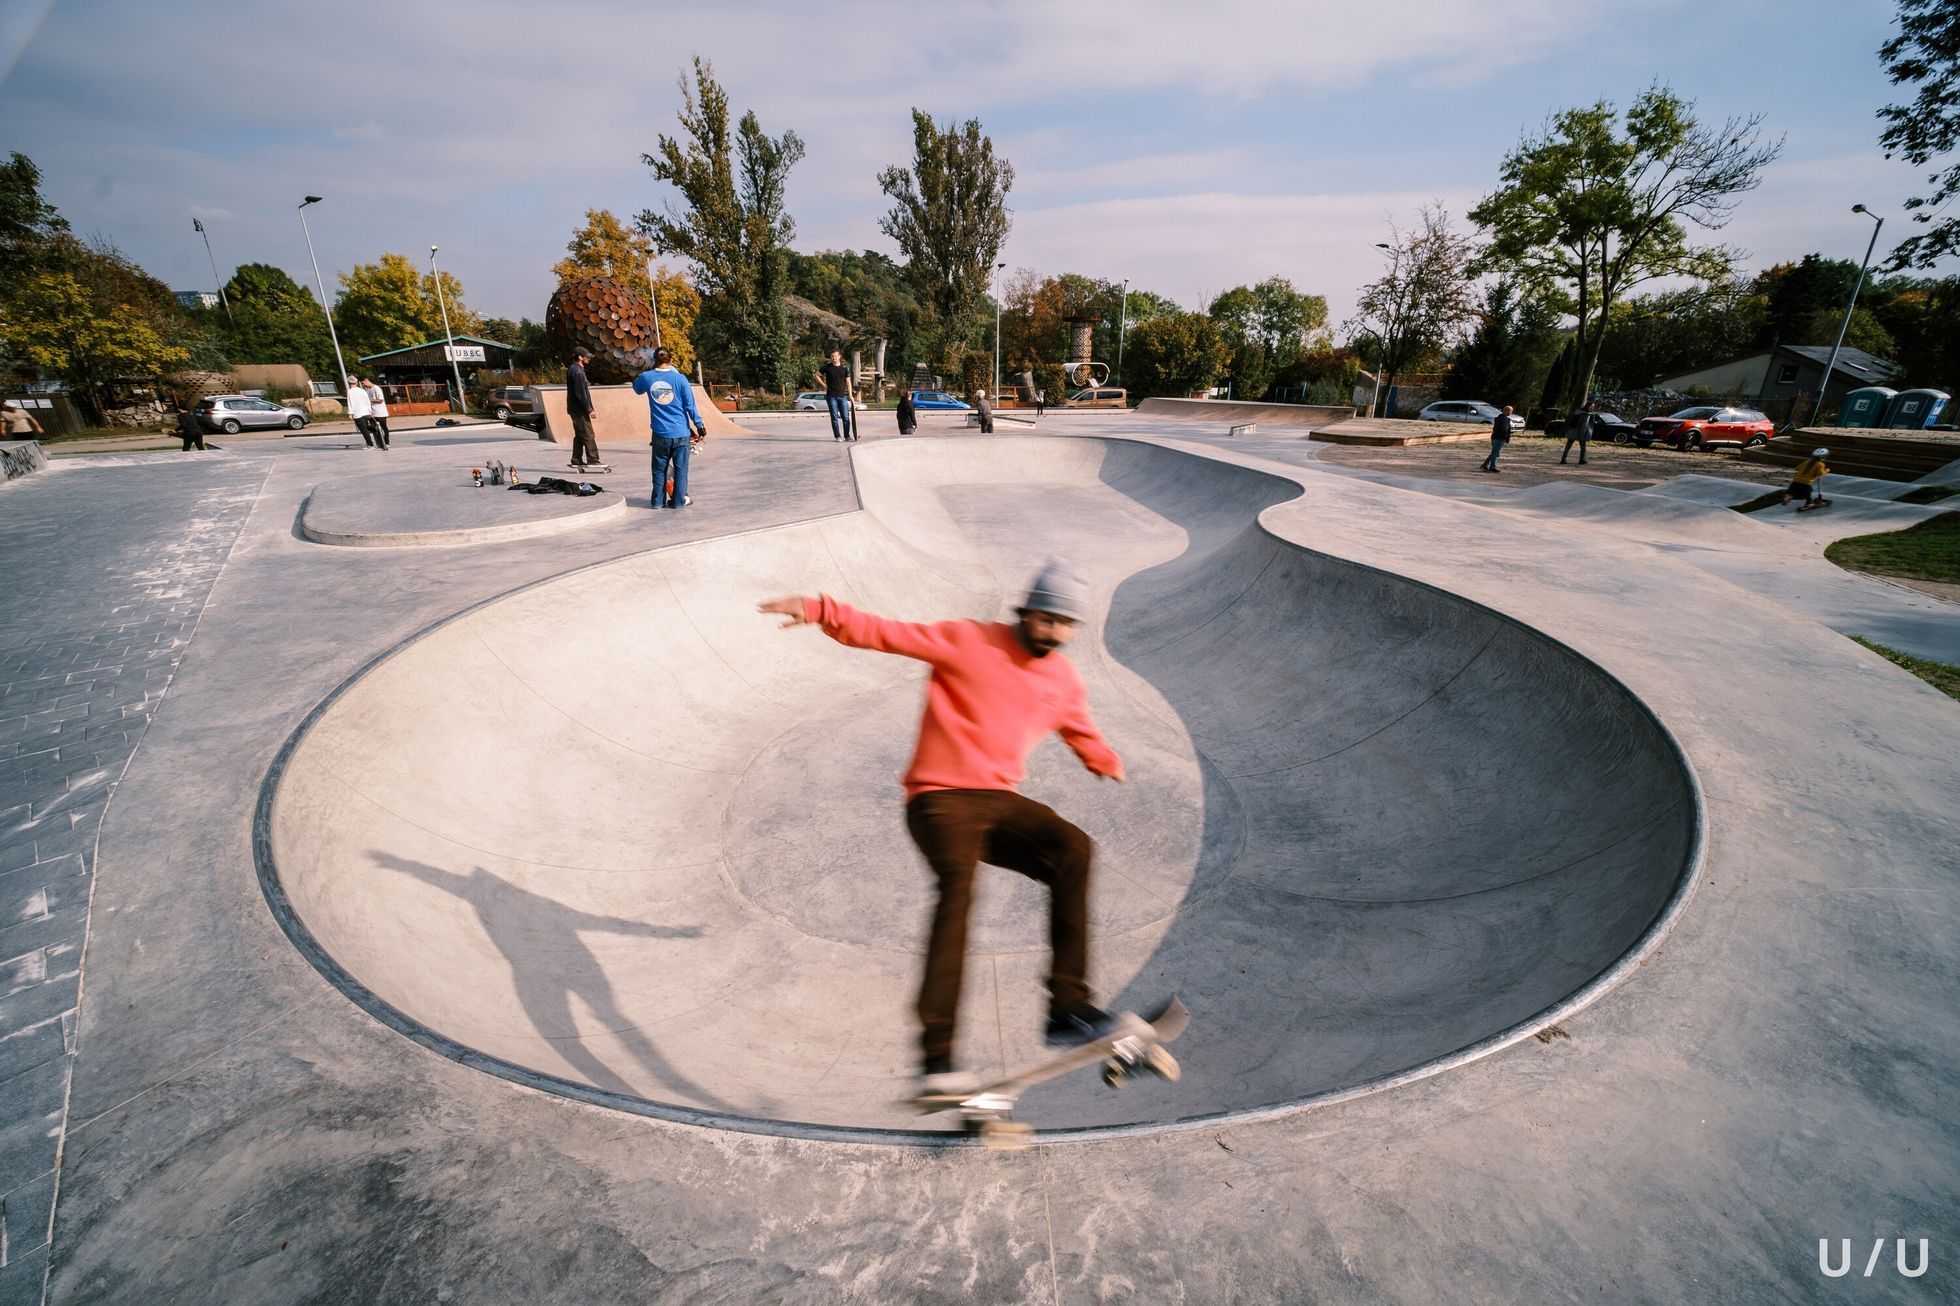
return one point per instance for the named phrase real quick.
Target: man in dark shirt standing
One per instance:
(578, 402)
(837, 396)
(1579, 431)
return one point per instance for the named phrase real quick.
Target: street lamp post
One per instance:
(1122, 326)
(325, 307)
(1824, 386)
(997, 268)
(222, 298)
(449, 336)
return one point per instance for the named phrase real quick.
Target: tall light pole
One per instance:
(1122, 327)
(1824, 386)
(198, 223)
(443, 302)
(997, 268)
(1394, 270)
(325, 307)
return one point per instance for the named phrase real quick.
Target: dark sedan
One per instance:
(1606, 426)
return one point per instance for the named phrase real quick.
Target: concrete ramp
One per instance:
(1237, 411)
(619, 837)
(620, 417)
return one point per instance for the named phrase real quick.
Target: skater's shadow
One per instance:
(550, 964)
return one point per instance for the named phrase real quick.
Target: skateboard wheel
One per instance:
(1162, 1064)
(1114, 1075)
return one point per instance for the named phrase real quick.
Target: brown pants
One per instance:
(957, 829)
(585, 447)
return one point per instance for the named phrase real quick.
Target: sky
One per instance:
(1187, 147)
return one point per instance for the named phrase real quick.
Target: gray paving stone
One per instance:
(31, 1047)
(25, 1213)
(22, 1277)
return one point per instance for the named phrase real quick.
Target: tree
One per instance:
(1864, 331)
(607, 247)
(88, 316)
(27, 222)
(1650, 336)
(274, 319)
(1506, 358)
(1923, 319)
(1586, 211)
(732, 225)
(1267, 326)
(1175, 353)
(389, 305)
(1420, 306)
(1927, 51)
(1795, 293)
(949, 217)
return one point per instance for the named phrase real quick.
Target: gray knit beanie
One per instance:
(1059, 589)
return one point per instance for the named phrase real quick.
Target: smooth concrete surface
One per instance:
(737, 862)
(1778, 1071)
(1245, 410)
(446, 507)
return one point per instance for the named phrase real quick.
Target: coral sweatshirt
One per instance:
(988, 703)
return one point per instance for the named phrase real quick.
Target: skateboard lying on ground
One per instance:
(603, 469)
(1135, 1043)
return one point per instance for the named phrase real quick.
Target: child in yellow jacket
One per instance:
(1806, 480)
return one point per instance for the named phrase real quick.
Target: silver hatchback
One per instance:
(234, 413)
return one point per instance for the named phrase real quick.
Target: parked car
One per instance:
(1606, 426)
(814, 401)
(1101, 397)
(1460, 410)
(504, 401)
(234, 413)
(937, 399)
(1705, 427)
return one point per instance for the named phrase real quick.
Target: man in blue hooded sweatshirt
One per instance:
(670, 403)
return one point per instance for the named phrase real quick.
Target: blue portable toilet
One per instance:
(1866, 407)
(1915, 410)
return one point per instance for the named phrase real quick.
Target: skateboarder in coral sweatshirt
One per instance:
(995, 691)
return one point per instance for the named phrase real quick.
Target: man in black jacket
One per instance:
(1579, 431)
(578, 402)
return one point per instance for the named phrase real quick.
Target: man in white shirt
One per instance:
(379, 419)
(361, 408)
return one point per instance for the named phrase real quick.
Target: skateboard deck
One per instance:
(1135, 1043)
(602, 469)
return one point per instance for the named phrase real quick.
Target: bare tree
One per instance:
(1584, 212)
(1423, 303)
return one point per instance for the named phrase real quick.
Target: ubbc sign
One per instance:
(1843, 1266)
(464, 353)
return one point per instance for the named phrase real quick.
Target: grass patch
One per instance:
(1928, 494)
(1943, 676)
(1928, 551)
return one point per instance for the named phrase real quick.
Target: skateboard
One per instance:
(1815, 504)
(1135, 1043)
(603, 469)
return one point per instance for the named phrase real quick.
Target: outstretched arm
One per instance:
(1079, 732)
(927, 641)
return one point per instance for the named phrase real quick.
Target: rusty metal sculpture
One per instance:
(599, 314)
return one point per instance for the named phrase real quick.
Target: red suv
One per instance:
(1703, 428)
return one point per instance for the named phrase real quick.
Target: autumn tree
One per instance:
(950, 218)
(732, 224)
(391, 305)
(607, 247)
(1593, 206)
(1926, 51)
(90, 316)
(1421, 305)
